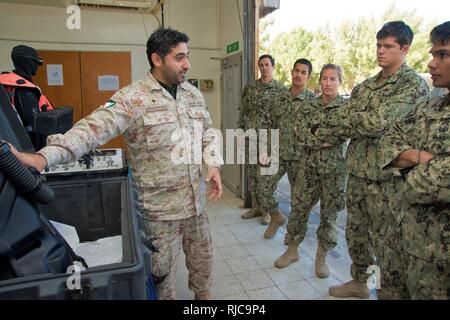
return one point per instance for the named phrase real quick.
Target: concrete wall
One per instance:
(44, 27)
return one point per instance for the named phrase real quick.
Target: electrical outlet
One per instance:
(206, 85)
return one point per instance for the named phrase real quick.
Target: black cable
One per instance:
(162, 14)
(24, 181)
(240, 19)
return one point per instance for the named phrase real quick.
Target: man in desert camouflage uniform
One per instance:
(375, 105)
(283, 119)
(321, 173)
(259, 98)
(156, 116)
(418, 151)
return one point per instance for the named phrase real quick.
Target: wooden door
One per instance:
(68, 94)
(95, 64)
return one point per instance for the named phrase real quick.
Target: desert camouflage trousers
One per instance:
(194, 236)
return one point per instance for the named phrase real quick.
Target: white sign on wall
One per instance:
(108, 83)
(55, 75)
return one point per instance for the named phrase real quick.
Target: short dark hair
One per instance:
(268, 56)
(306, 62)
(332, 66)
(162, 41)
(398, 29)
(441, 34)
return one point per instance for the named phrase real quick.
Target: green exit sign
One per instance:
(233, 47)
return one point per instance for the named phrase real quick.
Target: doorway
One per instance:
(231, 72)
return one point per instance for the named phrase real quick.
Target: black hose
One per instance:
(24, 181)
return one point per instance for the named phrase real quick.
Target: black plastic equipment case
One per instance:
(124, 280)
(58, 120)
(92, 203)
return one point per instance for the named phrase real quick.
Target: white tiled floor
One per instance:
(243, 259)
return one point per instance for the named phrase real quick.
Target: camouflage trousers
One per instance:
(310, 187)
(416, 278)
(371, 232)
(254, 177)
(193, 234)
(425, 246)
(268, 184)
(427, 280)
(393, 270)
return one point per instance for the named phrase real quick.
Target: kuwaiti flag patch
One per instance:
(110, 104)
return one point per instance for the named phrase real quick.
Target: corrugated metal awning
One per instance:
(267, 6)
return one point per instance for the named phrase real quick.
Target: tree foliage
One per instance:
(286, 48)
(352, 45)
(264, 36)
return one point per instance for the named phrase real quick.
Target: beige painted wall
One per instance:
(45, 28)
(199, 20)
(230, 25)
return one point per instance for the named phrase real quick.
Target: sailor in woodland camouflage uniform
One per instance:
(289, 155)
(375, 105)
(418, 150)
(156, 116)
(321, 173)
(258, 100)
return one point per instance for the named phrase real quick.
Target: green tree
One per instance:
(350, 45)
(355, 53)
(264, 36)
(322, 52)
(288, 47)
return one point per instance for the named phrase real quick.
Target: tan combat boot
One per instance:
(290, 256)
(265, 219)
(353, 288)
(322, 270)
(252, 213)
(276, 220)
(202, 296)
